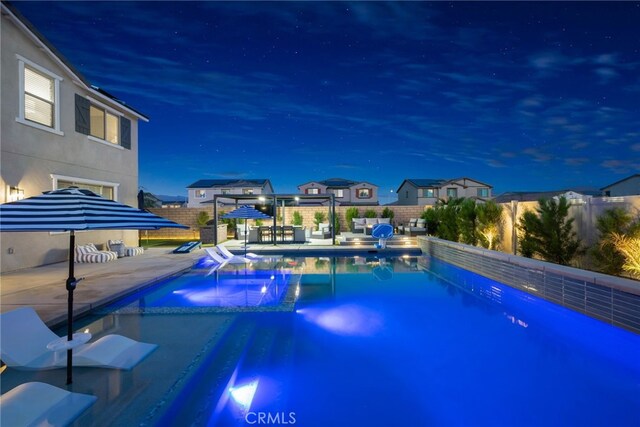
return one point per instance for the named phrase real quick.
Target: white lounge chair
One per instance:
(24, 338)
(215, 256)
(226, 254)
(40, 404)
(233, 259)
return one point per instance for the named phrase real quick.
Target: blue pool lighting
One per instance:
(243, 395)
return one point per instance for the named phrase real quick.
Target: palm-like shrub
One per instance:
(629, 247)
(467, 219)
(549, 233)
(202, 218)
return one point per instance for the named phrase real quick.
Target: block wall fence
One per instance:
(584, 214)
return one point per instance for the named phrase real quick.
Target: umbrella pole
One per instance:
(71, 285)
(245, 238)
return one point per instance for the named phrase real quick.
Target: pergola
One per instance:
(277, 200)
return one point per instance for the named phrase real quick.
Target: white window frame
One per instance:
(313, 191)
(56, 178)
(113, 112)
(195, 194)
(425, 192)
(248, 191)
(364, 189)
(22, 61)
(339, 193)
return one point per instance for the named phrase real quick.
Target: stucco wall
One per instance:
(630, 186)
(29, 156)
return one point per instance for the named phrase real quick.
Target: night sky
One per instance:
(520, 95)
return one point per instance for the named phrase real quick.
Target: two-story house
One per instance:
(346, 192)
(57, 131)
(629, 186)
(204, 189)
(426, 192)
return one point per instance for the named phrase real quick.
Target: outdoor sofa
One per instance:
(118, 247)
(415, 227)
(365, 225)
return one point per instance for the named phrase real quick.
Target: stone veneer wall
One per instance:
(611, 299)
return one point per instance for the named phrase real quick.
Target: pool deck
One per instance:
(43, 288)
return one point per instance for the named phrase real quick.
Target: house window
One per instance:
(429, 192)
(312, 191)
(338, 193)
(200, 194)
(104, 125)
(108, 190)
(483, 192)
(39, 97)
(247, 191)
(364, 193)
(452, 192)
(226, 191)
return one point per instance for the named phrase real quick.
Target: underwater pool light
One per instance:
(243, 395)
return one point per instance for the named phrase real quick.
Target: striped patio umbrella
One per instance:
(246, 212)
(72, 209)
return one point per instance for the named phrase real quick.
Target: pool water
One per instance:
(364, 342)
(387, 344)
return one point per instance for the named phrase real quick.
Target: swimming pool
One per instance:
(371, 342)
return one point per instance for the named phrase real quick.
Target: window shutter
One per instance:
(82, 115)
(125, 132)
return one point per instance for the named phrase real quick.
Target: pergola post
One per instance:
(215, 220)
(275, 220)
(332, 226)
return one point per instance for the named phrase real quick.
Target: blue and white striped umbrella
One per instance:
(73, 209)
(245, 212)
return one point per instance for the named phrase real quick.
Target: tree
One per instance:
(336, 224)
(467, 219)
(431, 219)
(527, 240)
(319, 217)
(297, 218)
(489, 224)
(629, 247)
(549, 233)
(447, 213)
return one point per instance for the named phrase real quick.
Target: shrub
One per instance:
(370, 213)
(629, 247)
(297, 218)
(387, 213)
(447, 213)
(431, 221)
(616, 228)
(202, 218)
(548, 232)
(350, 214)
(467, 222)
(336, 224)
(319, 217)
(489, 224)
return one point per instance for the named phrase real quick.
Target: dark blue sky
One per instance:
(521, 95)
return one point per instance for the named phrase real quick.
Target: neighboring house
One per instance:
(57, 131)
(426, 192)
(205, 189)
(629, 186)
(172, 201)
(346, 192)
(576, 195)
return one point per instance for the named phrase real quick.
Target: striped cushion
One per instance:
(131, 251)
(90, 254)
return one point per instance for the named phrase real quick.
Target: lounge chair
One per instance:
(40, 404)
(122, 250)
(24, 338)
(215, 256)
(323, 232)
(226, 253)
(90, 254)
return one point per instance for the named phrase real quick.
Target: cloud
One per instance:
(606, 74)
(575, 161)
